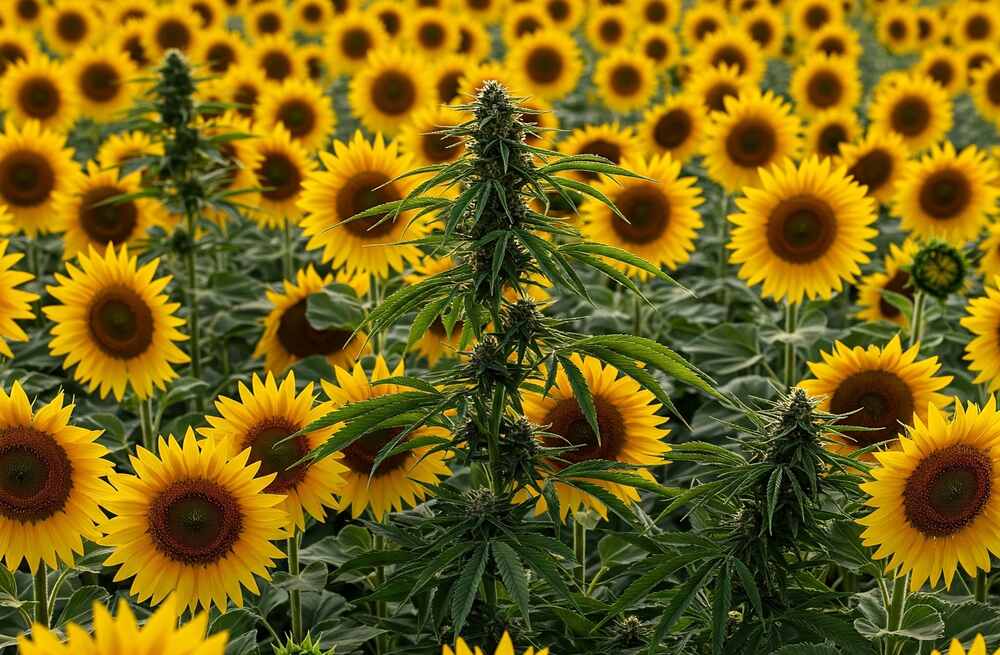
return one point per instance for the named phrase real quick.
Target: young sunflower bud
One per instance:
(938, 269)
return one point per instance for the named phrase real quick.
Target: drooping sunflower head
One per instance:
(630, 430)
(386, 92)
(659, 45)
(194, 523)
(803, 232)
(935, 499)
(104, 81)
(730, 47)
(947, 194)
(351, 38)
(945, 66)
(70, 24)
(825, 83)
(894, 278)
(916, 108)
(829, 130)
(423, 138)
(546, 63)
(756, 130)
(983, 350)
(674, 127)
(261, 420)
(301, 108)
(38, 90)
(661, 220)
(625, 80)
(765, 26)
(51, 482)
(34, 167)
(129, 39)
(211, 13)
(170, 27)
(401, 479)
(358, 176)
(280, 167)
(611, 141)
(711, 87)
(115, 324)
(930, 27)
(876, 162)
(880, 390)
(289, 336)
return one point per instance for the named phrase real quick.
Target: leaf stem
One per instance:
(917, 319)
(146, 421)
(295, 595)
(580, 548)
(897, 607)
(41, 596)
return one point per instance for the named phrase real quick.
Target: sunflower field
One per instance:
(499, 327)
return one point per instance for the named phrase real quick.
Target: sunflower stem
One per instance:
(791, 315)
(192, 297)
(287, 266)
(375, 291)
(637, 316)
(146, 421)
(897, 605)
(917, 320)
(41, 596)
(982, 586)
(295, 596)
(580, 548)
(381, 610)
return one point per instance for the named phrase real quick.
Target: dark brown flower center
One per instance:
(978, 27)
(898, 283)
(526, 25)
(626, 80)
(923, 28)
(205, 12)
(898, 30)
(872, 169)
(355, 43)
(816, 17)
(301, 339)
(195, 521)
(393, 92)
(656, 49)
(39, 98)
(879, 400)
(390, 21)
(280, 176)
(730, 55)
(362, 192)
(312, 13)
(656, 12)
(558, 10)
(716, 96)
(220, 57)
(360, 455)
(268, 23)
(448, 86)
(948, 490)
(704, 27)
(267, 444)
(672, 129)
(830, 138)
(439, 148)
(761, 32)
(572, 430)
(945, 194)
(801, 229)
(26, 178)
(911, 116)
(941, 71)
(107, 222)
(245, 97)
(611, 31)
(833, 46)
(647, 209)
(544, 65)
(431, 35)
(71, 27)
(824, 89)
(36, 476)
(100, 82)
(298, 117)
(28, 10)
(134, 49)
(751, 143)
(277, 65)
(120, 322)
(992, 87)
(10, 53)
(173, 33)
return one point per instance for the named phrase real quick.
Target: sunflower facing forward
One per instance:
(15, 304)
(546, 64)
(260, 420)
(625, 80)
(916, 108)
(301, 108)
(39, 90)
(390, 87)
(660, 223)
(882, 389)
(803, 232)
(280, 167)
(825, 83)
(104, 82)
(675, 127)
(52, 486)
(935, 499)
(983, 321)
(631, 431)
(193, 523)
(400, 480)
(34, 167)
(288, 335)
(876, 162)
(358, 176)
(115, 324)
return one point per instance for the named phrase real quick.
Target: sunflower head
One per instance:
(38, 90)
(547, 63)
(34, 168)
(674, 127)
(505, 647)
(625, 80)
(938, 269)
(386, 92)
(915, 107)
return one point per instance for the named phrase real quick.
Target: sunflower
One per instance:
(170, 27)
(933, 500)
(220, 50)
(104, 81)
(674, 127)
(125, 150)
(947, 194)
(70, 24)
(829, 130)
(129, 40)
(301, 108)
(391, 14)
(432, 33)
(211, 12)
(974, 23)
(625, 81)
(193, 522)
(897, 29)
(15, 304)
(660, 223)
(52, 486)
(280, 167)
(729, 47)
(978, 647)
(26, 15)
(446, 77)
(542, 120)
(485, 11)
(882, 389)
(565, 14)
(88, 217)
(876, 162)
(312, 16)
(631, 431)
(983, 351)
(609, 28)
(803, 232)
(505, 647)
(34, 167)
(765, 26)
(15, 47)
(825, 83)
(658, 45)
(701, 20)
(986, 91)
(930, 28)
(264, 19)
(610, 140)
(835, 40)
(895, 278)
(127, 11)
(121, 635)
(809, 16)
(523, 20)
(401, 479)
(977, 56)
(422, 139)
(711, 87)
(351, 38)
(243, 85)
(945, 66)
(259, 420)
(360, 175)
(438, 342)
(989, 249)
(38, 90)
(756, 130)
(546, 64)
(389, 89)
(916, 108)
(278, 58)
(115, 324)
(663, 13)
(474, 40)
(236, 174)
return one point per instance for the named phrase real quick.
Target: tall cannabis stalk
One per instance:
(502, 242)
